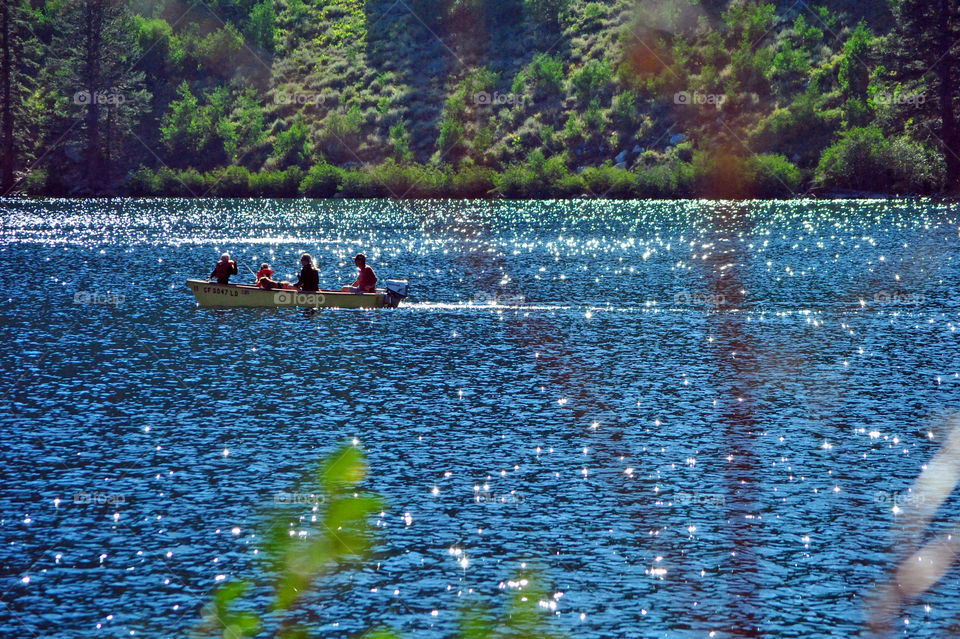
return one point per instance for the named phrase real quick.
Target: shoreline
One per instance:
(828, 196)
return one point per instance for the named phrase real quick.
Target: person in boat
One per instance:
(309, 278)
(266, 281)
(224, 269)
(366, 280)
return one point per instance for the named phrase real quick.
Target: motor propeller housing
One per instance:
(396, 291)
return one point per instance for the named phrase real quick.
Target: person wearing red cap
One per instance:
(264, 279)
(366, 280)
(265, 271)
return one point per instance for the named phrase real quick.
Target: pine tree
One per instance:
(928, 35)
(96, 89)
(6, 109)
(20, 51)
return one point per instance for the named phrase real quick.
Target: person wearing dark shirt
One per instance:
(366, 280)
(309, 278)
(224, 269)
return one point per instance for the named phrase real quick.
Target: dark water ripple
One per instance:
(691, 415)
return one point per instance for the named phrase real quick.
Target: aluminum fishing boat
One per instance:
(211, 294)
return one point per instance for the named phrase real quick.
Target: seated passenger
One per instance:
(264, 280)
(309, 278)
(224, 269)
(366, 280)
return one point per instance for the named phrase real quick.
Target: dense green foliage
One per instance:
(476, 98)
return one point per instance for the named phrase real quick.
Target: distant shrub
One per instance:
(189, 183)
(547, 12)
(182, 130)
(140, 182)
(546, 74)
(915, 168)
(804, 128)
(749, 23)
(166, 182)
(358, 183)
(536, 177)
(39, 182)
(322, 180)
(594, 122)
(808, 35)
(515, 181)
(533, 177)
(664, 180)
(232, 181)
(161, 49)
(863, 159)
(624, 112)
(473, 181)
(261, 29)
(592, 79)
(391, 179)
(569, 185)
(218, 49)
(340, 133)
(573, 129)
(284, 183)
(592, 11)
(292, 146)
(751, 69)
(858, 160)
(483, 139)
(853, 74)
(791, 60)
(856, 112)
(400, 141)
(719, 175)
(609, 181)
(554, 169)
(388, 179)
(772, 175)
(451, 140)
(519, 84)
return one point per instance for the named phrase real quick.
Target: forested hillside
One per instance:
(479, 98)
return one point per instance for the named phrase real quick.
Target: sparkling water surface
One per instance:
(694, 417)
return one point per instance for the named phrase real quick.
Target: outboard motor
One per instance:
(396, 290)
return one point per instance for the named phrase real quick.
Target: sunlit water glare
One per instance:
(695, 416)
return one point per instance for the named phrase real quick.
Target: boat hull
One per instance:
(211, 294)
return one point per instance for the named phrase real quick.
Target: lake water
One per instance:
(694, 417)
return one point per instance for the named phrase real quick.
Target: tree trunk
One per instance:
(7, 162)
(94, 23)
(107, 143)
(944, 70)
